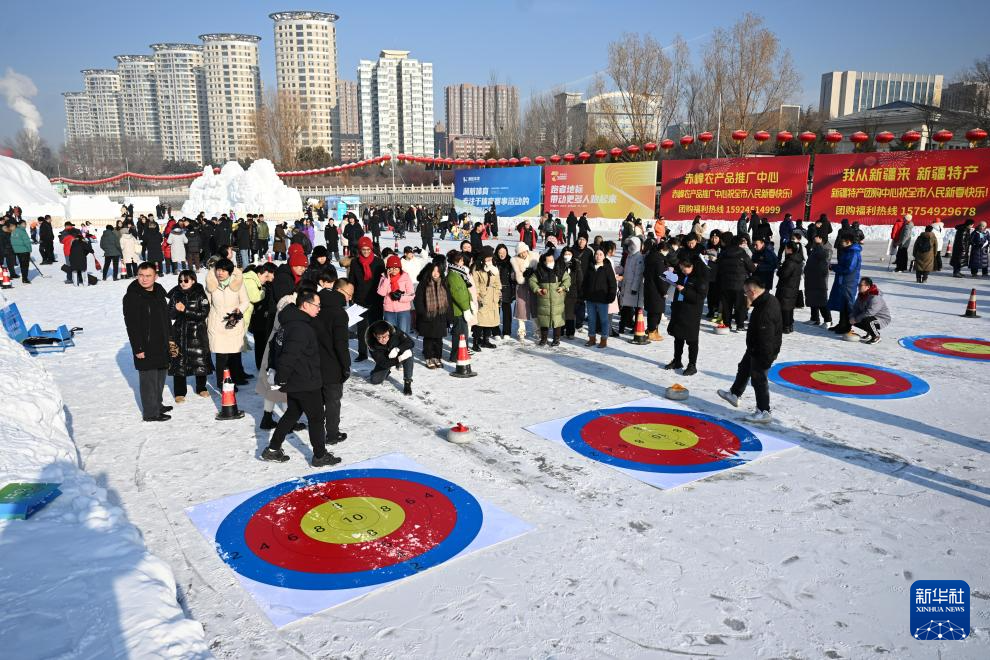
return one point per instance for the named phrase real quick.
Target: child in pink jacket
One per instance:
(398, 290)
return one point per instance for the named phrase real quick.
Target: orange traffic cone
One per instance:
(463, 369)
(639, 334)
(269, 257)
(970, 306)
(5, 279)
(228, 400)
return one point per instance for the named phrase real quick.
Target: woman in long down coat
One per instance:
(433, 313)
(845, 288)
(523, 264)
(576, 270)
(549, 286)
(488, 288)
(789, 284)
(225, 323)
(190, 344)
(816, 279)
(685, 312)
(631, 286)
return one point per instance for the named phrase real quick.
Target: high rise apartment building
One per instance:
(181, 88)
(846, 92)
(347, 123)
(138, 98)
(78, 116)
(396, 104)
(306, 71)
(103, 90)
(233, 94)
(480, 111)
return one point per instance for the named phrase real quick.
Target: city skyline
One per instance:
(360, 33)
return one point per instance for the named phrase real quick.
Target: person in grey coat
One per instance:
(110, 244)
(869, 312)
(816, 280)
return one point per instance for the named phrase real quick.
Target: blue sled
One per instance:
(35, 340)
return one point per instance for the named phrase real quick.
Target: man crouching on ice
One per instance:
(390, 347)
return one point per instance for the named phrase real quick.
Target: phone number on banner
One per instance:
(722, 208)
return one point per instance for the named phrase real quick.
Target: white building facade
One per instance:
(103, 90)
(233, 94)
(396, 104)
(306, 71)
(846, 92)
(181, 88)
(138, 98)
(78, 116)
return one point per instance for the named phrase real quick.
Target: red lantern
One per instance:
(941, 137)
(584, 156)
(833, 138)
(632, 149)
(687, 141)
(784, 137)
(569, 158)
(459, 162)
(449, 162)
(859, 138)
(386, 158)
(910, 137)
(480, 162)
(525, 160)
(513, 162)
(705, 138)
(667, 144)
(600, 154)
(401, 157)
(540, 160)
(616, 152)
(650, 147)
(492, 162)
(807, 138)
(555, 159)
(502, 162)
(975, 135)
(740, 135)
(761, 136)
(884, 137)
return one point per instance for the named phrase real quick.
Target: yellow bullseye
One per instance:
(843, 378)
(352, 520)
(662, 437)
(966, 347)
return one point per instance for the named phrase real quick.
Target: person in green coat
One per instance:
(110, 244)
(549, 285)
(261, 238)
(21, 244)
(459, 283)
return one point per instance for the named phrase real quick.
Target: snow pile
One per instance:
(91, 207)
(258, 190)
(28, 188)
(77, 577)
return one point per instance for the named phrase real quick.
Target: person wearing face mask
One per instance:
(365, 273)
(685, 314)
(330, 325)
(488, 288)
(397, 292)
(189, 345)
(433, 313)
(550, 292)
(599, 291)
(574, 268)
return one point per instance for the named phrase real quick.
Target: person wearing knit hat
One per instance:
(365, 272)
(397, 291)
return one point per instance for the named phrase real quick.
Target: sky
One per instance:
(535, 44)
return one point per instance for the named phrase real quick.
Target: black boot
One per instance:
(674, 364)
(267, 422)
(690, 371)
(543, 336)
(407, 389)
(486, 341)
(556, 337)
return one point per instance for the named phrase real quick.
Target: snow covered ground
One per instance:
(806, 554)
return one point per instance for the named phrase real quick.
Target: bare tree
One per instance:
(746, 72)
(279, 122)
(34, 150)
(646, 87)
(546, 128)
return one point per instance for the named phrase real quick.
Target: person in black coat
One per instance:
(147, 323)
(711, 250)
(506, 276)
(765, 260)
(190, 345)
(335, 357)
(364, 273)
(79, 252)
(600, 288)
(763, 340)
(352, 233)
(47, 237)
(583, 228)
(789, 285)
(434, 313)
(331, 235)
(734, 266)
(151, 241)
(390, 347)
(655, 287)
(685, 314)
(299, 375)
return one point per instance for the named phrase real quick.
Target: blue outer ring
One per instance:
(916, 386)
(908, 343)
(230, 535)
(571, 434)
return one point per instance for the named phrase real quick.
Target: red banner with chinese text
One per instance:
(877, 188)
(723, 188)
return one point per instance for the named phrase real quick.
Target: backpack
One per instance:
(275, 346)
(925, 246)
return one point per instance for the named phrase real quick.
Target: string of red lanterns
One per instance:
(974, 136)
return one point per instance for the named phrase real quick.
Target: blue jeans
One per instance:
(245, 258)
(599, 322)
(401, 320)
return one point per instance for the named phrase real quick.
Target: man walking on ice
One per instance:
(147, 323)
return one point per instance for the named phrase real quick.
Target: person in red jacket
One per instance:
(527, 234)
(66, 237)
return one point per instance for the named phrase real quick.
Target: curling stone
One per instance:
(460, 434)
(850, 336)
(722, 330)
(676, 392)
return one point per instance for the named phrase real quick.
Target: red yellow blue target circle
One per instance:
(660, 440)
(962, 348)
(350, 528)
(847, 379)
